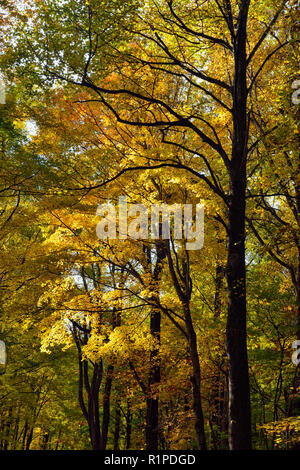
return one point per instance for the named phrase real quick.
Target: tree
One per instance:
(218, 58)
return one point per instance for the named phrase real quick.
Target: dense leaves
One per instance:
(141, 343)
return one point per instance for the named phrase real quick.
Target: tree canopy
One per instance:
(140, 342)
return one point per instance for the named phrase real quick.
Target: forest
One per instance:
(123, 331)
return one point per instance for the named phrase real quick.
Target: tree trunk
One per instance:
(152, 400)
(29, 439)
(298, 267)
(218, 290)
(117, 425)
(24, 435)
(106, 405)
(196, 380)
(16, 430)
(7, 429)
(236, 339)
(184, 294)
(93, 407)
(128, 425)
(152, 419)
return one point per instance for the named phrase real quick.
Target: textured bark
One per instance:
(152, 400)
(218, 290)
(91, 410)
(117, 425)
(152, 415)
(106, 405)
(93, 407)
(196, 380)
(7, 428)
(297, 286)
(236, 339)
(128, 425)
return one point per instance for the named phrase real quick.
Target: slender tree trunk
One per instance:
(196, 380)
(16, 430)
(152, 417)
(29, 439)
(128, 425)
(236, 339)
(46, 441)
(298, 267)
(152, 399)
(58, 439)
(91, 411)
(224, 413)
(24, 435)
(184, 293)
(106, 405)
(93, 407)
(117, 425)
(218, 290)
(7, 429)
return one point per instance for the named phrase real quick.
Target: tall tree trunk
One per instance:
(196, 379)
(91, 411)
(152, 418)
(128, 425)
(16, 430)
(297, 286)
(29, 439)
(93, 407)
(152, 399)
(236, 339)
(106, 405)
(218, 290)
(117, 425)
(7, 429)
(183, 291)
(24, 435)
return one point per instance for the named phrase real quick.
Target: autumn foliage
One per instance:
(142, 343)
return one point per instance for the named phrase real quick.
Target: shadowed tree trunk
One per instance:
(152, 400)
(184, 289)
(152, 414)
(236, 340)
(117, 425)
(106, 404)
(196, 379)
(128, 425)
